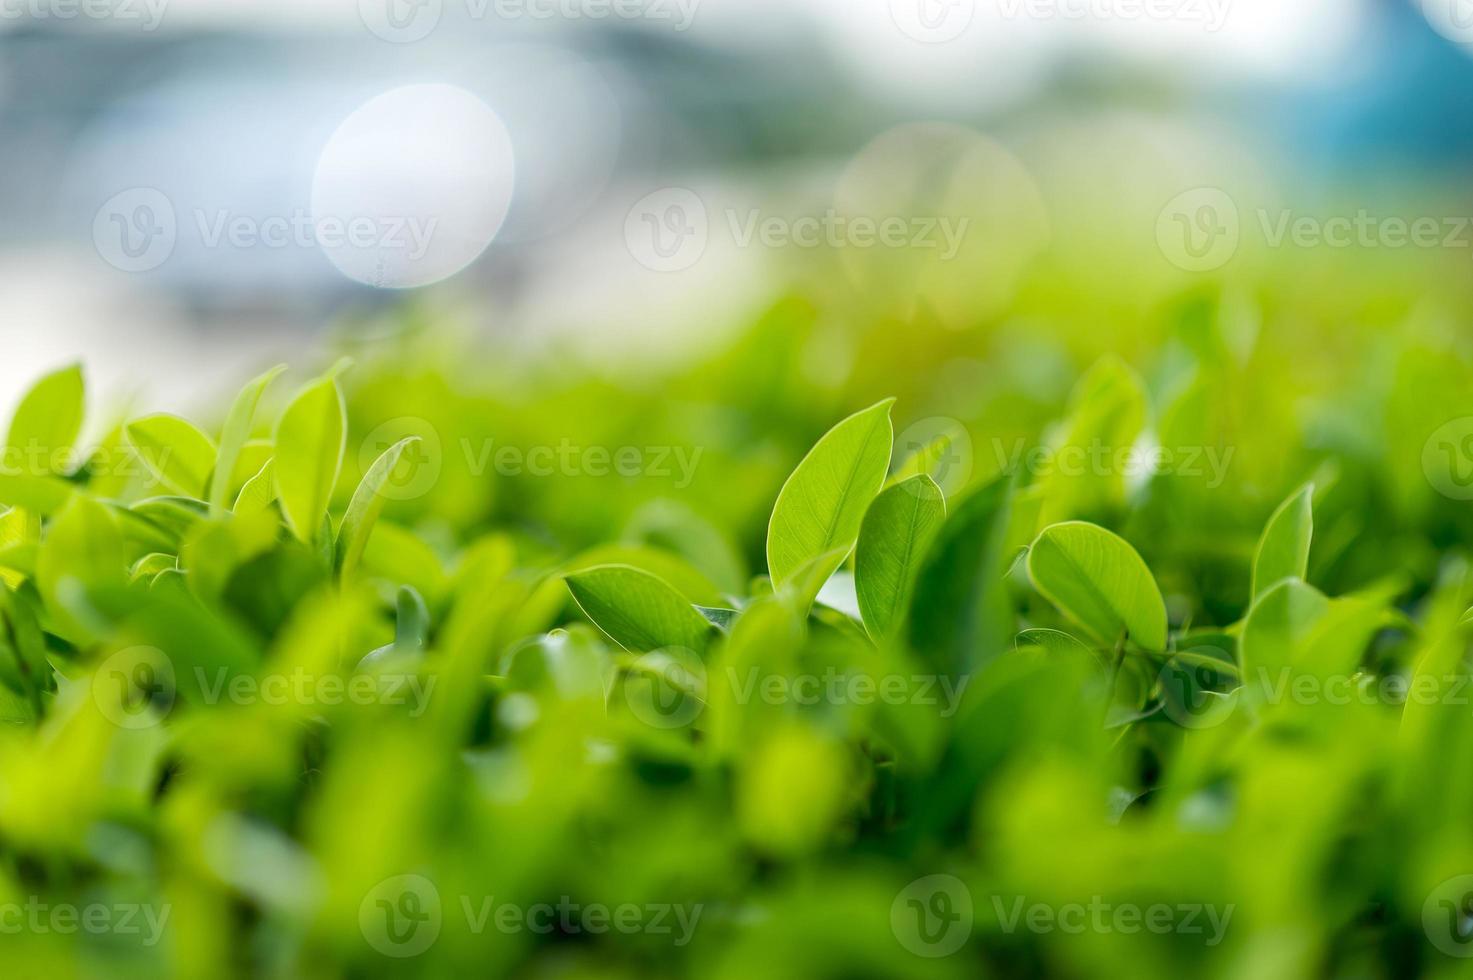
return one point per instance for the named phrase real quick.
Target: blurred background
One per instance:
(194, 186)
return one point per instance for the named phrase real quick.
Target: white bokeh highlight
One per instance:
(412, 186)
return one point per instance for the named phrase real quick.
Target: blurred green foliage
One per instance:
(470, 662)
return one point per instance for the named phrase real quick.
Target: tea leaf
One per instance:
(44, 429)
(1099, 581)
(894, 537)
(178, 454)
(637, 610)
(364, 508)
(822, 504)
(233, 435)
(960, 616)
(310, 440)
(1283, 551)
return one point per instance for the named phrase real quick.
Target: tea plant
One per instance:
(275, 708)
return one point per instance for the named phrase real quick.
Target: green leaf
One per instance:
(43, 431)
(364, 508)
(1098, 580)
(310, 439)
(83, 549)
(1107, 411)
(961, 615)
(823, 502)
(396, 554)
(259, 491)
(233, 436)
(896, 532)
(43, 495)
(1283, 551)
(178, 454)
(1279, 621)
(686, 578)
(1057, 643)
(1295, 627)
(637, 610)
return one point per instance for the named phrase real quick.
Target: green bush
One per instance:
(1057, 664)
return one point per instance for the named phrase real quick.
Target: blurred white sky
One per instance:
(1001, 45)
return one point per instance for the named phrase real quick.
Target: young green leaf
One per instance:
(310, 439)
(637, 610)
(960, 616)
(822, 504)
(895, 534)
(259, 491)
(83, 549)
(1107, 411)
(233, 436)
(1098, 580)
(44, 428)
(178, 454)
(1283, 551)
(364, 508)
(39, 494)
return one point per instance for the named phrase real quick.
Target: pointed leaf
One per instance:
(822, 504)
(961, 616)
(1098, 580)
(364, 508)
(896, 532)
(43, 431)
(1283, 551)
(233, 436)
(637, 610)
(178, 454)
(310, 438)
